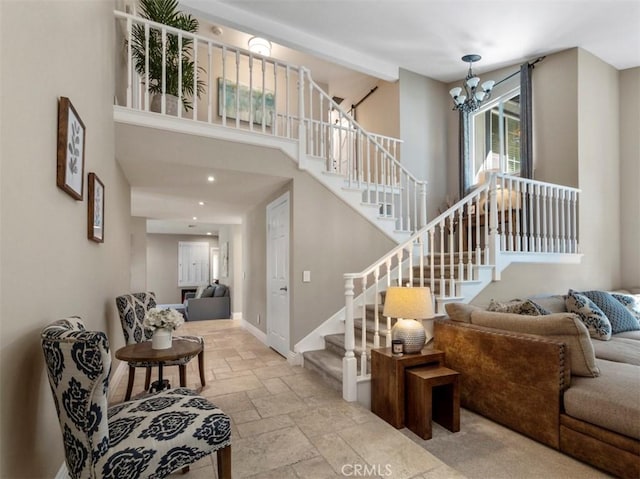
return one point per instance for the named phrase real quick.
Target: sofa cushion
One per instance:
(610, 400)
(518, 306)
(199, 291)
(221, 290)
(552, 303)
(590, 314)
(565, 327)
(629, 335)
(208, 291)
(620, 350)
(617, 314)
(461, 312)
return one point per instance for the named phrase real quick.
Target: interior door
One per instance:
(278, 275)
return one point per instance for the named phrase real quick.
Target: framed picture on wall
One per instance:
(95, 218)
(239, 101)
(71, 136)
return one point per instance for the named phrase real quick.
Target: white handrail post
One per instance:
(302, 133)
(349, 362)
(494, 237)
(423, 205)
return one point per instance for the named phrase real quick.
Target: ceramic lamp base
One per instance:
(161, 339)
(411, 333)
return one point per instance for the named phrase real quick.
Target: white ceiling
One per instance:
(348, 44)
(430, 36)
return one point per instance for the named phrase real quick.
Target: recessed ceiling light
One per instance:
(201, 203)
(195, 218)
(210, 179)
(209, 233)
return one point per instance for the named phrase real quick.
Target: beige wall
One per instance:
(138, 281)
(49, 268)
(232, 234)
(162, 264)
(327, 239)
(630, 176)
(423, 106)
(380, 113)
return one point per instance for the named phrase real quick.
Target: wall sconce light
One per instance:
(259, 45)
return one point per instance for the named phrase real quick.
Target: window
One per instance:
(496, 137)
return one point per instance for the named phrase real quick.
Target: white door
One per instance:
(278, 275)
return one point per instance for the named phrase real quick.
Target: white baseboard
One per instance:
(295, 359)
(237, 315)
(261, 335)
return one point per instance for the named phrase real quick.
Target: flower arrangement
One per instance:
(162, 318)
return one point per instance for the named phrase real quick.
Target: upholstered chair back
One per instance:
(132, 309)
(78, 364)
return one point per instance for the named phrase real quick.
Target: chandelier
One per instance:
(473, 96)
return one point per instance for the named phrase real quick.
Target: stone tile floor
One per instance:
(286, 423)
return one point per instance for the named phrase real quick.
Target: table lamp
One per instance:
(407, 305)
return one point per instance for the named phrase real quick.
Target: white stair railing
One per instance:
(522, 215)
(246, 91)
(368, 162)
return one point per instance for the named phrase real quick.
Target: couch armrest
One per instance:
(513, 378)
(209, 308)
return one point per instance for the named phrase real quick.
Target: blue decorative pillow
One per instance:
(632, 303)
(593, 318)
(620, 318)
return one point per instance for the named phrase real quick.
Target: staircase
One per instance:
(456, 255)
(278, 105)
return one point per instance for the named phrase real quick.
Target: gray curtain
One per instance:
(526, 120)
(465, 167)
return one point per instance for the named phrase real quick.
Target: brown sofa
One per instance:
(530, 382)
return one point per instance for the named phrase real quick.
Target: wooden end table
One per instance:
(144, 353)
(432, 393)
(388, 381)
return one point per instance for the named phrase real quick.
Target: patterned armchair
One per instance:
(132, 309)
(149, 437)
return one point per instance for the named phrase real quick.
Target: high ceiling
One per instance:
(430, 36)
(348, 45)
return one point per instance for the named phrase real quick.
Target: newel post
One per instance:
(349, 362)
(494, 237)
(302, 132)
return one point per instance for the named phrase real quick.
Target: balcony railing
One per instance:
(246, 91)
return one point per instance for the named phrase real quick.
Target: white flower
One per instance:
(162, 318)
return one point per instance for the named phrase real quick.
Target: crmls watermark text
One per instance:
(366, 470)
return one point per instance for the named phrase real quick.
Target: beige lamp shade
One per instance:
(408, 303)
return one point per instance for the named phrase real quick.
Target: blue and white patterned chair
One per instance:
(144, 438)
(132, 309)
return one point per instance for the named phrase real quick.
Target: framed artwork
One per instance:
(238, 102)
(95, 217)
(71, 135)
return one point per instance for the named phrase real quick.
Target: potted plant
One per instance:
(166, 12)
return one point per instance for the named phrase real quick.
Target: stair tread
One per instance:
(328, 361)
(339, 340)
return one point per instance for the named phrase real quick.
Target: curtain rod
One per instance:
(537, 60)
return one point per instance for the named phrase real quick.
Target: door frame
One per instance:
(282, 199)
